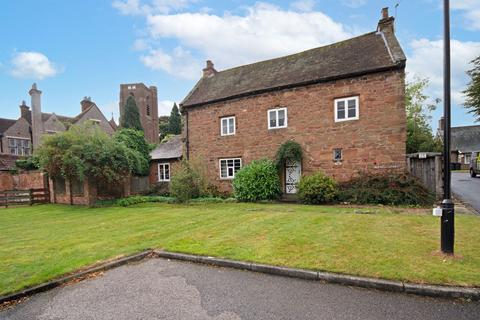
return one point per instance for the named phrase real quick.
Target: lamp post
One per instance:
(448, 208)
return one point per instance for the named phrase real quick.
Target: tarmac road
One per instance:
(467, 188)
(164, 289)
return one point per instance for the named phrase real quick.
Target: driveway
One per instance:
(467, 188)
(163, 289)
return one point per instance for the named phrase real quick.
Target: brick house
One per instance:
(343, 103)
(165, 161)
(19, 137)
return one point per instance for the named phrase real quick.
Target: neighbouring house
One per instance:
(19, 137)
(464, 141)
(147, 103)
(343, 103)
(166, 160)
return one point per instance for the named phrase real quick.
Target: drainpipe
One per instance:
(187, 142)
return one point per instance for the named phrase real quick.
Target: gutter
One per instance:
(399, 65)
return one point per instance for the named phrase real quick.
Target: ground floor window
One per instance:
(468, 158)
(164, 172)
(228, 167)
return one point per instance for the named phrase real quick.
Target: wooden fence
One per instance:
(24, 197)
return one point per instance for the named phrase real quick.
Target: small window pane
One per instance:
(273, 118)
(337, 154)
(281, 118)
(231, 125)
(352, 112)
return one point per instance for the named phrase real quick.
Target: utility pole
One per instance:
(448, 209)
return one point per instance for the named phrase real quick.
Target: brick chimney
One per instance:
(37, 124)
(386, 23)
(86, 103)
(24, 110)
(209, 70)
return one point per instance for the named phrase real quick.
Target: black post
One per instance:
(448, 209)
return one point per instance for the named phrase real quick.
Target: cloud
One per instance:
(179, 62)
(136, 7)
(426, 60)
(165, 107)
(303, 5)
(32, 65)
(470, 11)
(354, 3)
(264, 32)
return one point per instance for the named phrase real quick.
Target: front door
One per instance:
(293, 172)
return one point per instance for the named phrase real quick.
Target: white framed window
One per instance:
(346, 109)
(228, 167)
(227, 126)
(277, 118)
(19, 146)
(337, 155)
(164, 172)
(468, 158)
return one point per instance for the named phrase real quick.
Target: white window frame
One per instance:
(228, 120)
(164, 165)
(228, 177)
(345, 100)
(465, 158)
(341, 154)
(285, 125)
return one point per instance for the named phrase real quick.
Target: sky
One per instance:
(73, 49)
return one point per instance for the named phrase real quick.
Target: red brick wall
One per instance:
(22, 180)
(374, 142)
(174, 167)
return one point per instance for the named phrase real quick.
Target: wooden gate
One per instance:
(24, 197)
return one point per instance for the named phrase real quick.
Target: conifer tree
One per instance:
(175, 121)
(131, 116)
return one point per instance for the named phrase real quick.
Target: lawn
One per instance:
(43, 242)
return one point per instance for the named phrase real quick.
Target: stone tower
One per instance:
(147, 103)
(37, 123)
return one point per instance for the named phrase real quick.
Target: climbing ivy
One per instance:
(289, 150)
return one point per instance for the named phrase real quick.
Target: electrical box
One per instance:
(437, 212)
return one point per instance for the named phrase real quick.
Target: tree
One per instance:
(472, 93)
(131, 116)
(163, 126)
(419, 133)
(175, 121)
(135, 140)
(86, 151)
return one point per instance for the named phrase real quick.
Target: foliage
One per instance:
(131, 116)
(185, 183)
(419, 133)
(30, 163)
(386, 189)
(257, 181)
(159, 189)
(130, 201)
(170, 125)
(316, 189)
(288, 151)
(86, 151)
(472, 92)
(135, 140)
(175, 121)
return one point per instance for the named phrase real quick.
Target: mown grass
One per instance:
(43, 242)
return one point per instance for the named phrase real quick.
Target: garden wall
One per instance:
(23, 180)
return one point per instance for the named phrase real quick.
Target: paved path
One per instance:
(162, 289)
(467, 188)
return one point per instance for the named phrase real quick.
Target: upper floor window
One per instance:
(277, 118)
(19, 146)
(227, 125)
(148, 110)
(346, 109)
(228, 167)
(164, 172)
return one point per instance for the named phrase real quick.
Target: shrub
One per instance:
(185, 183)
(159, 189)
(257, 181)
(386, 189)
(316, 189)
(289, 150)
(27, 164)
(130, 201)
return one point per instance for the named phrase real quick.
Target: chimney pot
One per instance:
(86, 103)
(385, 13)
(24, 109)
(209, 70)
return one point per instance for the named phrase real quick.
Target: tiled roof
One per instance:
(171, 149)
(371, 52)
(465, 139)
(5, 124)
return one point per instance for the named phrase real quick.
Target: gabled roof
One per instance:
(5, 124)
(368, 53)
(465, 139)
(46, 116)
(172, 149)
